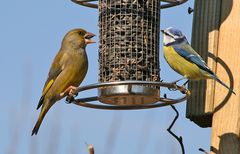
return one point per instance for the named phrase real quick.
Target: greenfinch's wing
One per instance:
(54, 71)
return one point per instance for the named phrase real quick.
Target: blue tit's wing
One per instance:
(187, 52)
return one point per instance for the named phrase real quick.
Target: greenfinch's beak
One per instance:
(88, 37)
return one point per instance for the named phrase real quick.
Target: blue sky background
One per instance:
(30, 36)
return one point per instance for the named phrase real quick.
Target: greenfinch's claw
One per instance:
(69, 99)
(76, 95)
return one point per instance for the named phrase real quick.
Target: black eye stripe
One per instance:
(169, 35)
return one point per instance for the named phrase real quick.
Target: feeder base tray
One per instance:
(128, 95)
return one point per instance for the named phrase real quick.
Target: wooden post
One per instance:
(216, 28)
(226, 119)
(206, 22)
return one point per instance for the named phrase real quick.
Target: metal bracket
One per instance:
(162, 100)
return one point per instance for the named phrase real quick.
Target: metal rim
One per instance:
(162, 101)
(88, 3)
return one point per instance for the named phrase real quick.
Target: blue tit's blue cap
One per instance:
(175, 32)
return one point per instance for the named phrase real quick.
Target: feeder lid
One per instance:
(170, 3)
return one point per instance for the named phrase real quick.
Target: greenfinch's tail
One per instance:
(43, 112)
(218, 80)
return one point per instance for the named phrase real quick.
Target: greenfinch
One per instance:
(67, 71)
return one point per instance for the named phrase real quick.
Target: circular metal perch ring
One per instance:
(162, 101)
(170, 3)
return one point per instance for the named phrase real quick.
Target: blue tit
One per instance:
(182, 58)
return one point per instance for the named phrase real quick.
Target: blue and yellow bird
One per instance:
(182, 58)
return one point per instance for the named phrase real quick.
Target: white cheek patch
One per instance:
(168, 39)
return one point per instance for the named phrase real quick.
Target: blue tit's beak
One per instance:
(162, 31)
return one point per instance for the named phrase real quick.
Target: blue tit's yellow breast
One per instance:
(181, 65)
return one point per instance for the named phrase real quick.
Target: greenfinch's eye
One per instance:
(80, 33)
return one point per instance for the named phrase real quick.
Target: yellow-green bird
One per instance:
(182, 58)
(67, 71)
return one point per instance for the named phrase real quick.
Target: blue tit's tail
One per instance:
(218, 80)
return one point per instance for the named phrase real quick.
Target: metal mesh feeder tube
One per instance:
(129, 50)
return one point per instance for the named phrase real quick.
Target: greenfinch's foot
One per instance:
(70, 91)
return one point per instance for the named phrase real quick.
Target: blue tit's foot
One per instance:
(184, 86)
(175, 87)
(172, 89)
(185, 83)
(175, 83)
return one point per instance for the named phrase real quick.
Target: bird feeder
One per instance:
(129, 76)
(129, 50)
